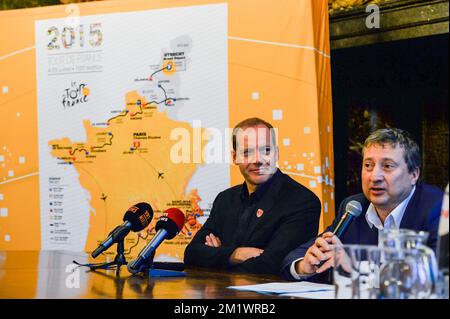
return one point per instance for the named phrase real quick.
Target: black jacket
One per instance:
(291, 217)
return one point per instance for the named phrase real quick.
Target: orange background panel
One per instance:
(290, 70)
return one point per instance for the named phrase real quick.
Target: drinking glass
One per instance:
(356, 271)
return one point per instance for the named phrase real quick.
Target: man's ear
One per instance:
(415, 175)
(233, 156)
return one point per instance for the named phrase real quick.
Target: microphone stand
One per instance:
(119, 260)
(148, 265)
(148, 269)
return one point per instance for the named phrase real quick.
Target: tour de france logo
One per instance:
(76, 94)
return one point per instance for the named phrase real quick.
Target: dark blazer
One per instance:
(291, 217)
(422, 213)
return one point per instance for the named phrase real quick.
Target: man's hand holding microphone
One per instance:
(320, 255)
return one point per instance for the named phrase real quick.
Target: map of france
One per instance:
(131, 157)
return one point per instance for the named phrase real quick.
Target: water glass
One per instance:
(356, 271)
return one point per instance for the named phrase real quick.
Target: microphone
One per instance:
(352, 210)
(167, 227)
(136, 218)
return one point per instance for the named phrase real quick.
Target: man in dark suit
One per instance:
(391, 198)
(253, 226)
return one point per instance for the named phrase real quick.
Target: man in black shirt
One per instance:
(253, 226)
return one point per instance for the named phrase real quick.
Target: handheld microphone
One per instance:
(352, 210)
(136, 219)
(167, 227)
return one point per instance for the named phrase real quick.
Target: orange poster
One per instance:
(104, 105)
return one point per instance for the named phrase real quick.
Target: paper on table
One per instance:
(283, 287)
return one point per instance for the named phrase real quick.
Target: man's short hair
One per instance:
(397, 137)
(250, 122)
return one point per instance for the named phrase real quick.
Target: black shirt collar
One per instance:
(260, 189)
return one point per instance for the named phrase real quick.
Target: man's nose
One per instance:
(259, 158)
(377, 174)
(255, 159)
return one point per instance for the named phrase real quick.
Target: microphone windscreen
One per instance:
(177, 216)
(172, 221)
(354, 208)
(139, 215)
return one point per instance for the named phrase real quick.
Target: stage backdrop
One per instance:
(99, 100)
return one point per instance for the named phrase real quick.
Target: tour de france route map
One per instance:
(132, 148)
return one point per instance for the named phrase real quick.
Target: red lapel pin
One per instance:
(259, 213)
